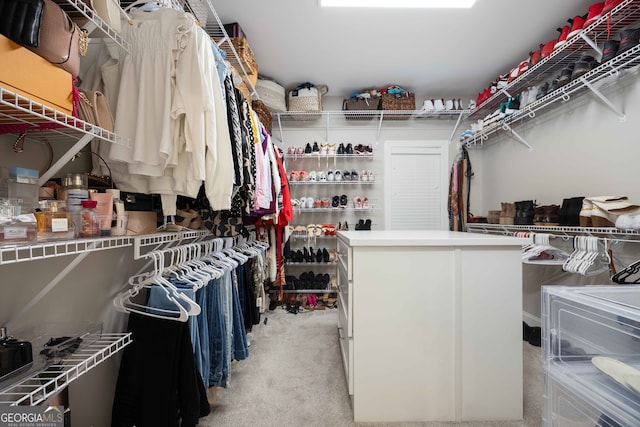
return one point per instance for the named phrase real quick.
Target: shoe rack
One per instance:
(587, 42)
(324, 205)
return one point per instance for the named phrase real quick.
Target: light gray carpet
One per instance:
(294, 377)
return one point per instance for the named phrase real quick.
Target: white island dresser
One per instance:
(430, 325)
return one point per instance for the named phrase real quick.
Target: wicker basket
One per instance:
(272, 94)
(264, 114)
(360, 104)
(307, 100)
(245, 54)
(398, 102)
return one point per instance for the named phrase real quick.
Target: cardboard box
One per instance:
(33, 77)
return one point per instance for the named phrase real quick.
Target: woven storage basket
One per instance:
(360, 104)
(272, 94)
(397, 102)
(308, 100)
(245, 54)
(264, 114)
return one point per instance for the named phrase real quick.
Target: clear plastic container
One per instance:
(90, 223)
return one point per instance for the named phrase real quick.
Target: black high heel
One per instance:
(319, 256)
(325, 255)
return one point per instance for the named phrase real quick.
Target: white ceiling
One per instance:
(442, 52)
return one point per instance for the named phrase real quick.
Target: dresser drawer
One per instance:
(345, 258)
(346, 350)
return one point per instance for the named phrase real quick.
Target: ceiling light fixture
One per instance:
(399, 3)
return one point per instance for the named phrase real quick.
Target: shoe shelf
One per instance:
(310, 291)
(592, 82)
(306, 236)
(49, 380)
(611, 233)
(330, 182)
(95, 26)
(53, 249)
(328, 157)
(368, 118)
(333, 210)
(298, 264)
(623, 15)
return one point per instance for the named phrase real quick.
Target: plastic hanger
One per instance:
(628, 275)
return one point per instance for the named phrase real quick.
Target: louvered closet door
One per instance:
(416, 186)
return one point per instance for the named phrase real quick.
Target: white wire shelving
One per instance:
(53, 249)
(610, 233)
(623, 15)
(316, 156)
(330, 182)
(375, 119)
(159, 240)
(90, 21)
(49, 380)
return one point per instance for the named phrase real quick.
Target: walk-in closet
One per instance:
(322, 213)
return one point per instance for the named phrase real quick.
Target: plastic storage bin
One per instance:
(579, 323)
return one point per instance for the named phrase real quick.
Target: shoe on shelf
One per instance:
(438, 104)
(609, 5)
(357, 202)
(331, 149)
(337, 176)
(595, 12)
(307, 148)
(313, 176)
(324, 149)
(628, 39)
(304, 176)
(354, 175)
(335, 202)
(576, 25)
(344, 200)
(294, 176)
(448, 104)
(370, 176)
(564, 32)
(610, 50)
(330, 175)
(315, 148)
(346, 176)
(341, 148)
(365, 203)
(427, 105)
(322, 177)
(348, 149)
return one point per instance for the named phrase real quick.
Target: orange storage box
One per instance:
(31, 76)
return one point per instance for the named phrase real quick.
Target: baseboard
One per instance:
(530, 319)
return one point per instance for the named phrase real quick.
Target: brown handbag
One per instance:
(61, 40)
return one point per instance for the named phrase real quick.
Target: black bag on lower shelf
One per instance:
(141, 202)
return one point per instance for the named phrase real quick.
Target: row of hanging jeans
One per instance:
(166, 370)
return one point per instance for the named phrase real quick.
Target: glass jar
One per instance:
(53, 221)
(89, 222)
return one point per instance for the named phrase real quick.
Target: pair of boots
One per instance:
(525, 211)
(507, 213)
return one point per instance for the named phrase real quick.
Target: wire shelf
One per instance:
(330, 182)
(160, 239)
(316, 156)
(600, 76)
(18, 110)
(332, 209)
(623, 15)
(610, 233)
(79, 10)
(52, 379)
(35, 251)
(358, 117)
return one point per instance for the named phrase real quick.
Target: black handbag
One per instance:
(20, 21)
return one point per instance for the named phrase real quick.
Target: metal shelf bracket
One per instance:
(515, 134)
(603, 99)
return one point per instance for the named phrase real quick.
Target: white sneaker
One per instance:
(438, 104)
(533, 94)
(448, 104)
(427, 105)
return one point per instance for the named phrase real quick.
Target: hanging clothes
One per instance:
(157, 387)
